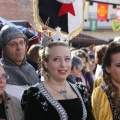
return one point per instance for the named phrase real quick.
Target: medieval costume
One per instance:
(20, 77)
(103, 106)
(38, 104)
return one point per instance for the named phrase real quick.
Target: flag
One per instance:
(118, 14)
(102, 11)
(116, 25)
(69, 15)
(93, 24)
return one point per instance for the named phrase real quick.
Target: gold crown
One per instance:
(57, 36)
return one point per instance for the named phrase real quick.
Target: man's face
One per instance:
(59, 64)
(16, 49)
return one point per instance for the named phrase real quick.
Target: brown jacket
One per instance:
(13, 108)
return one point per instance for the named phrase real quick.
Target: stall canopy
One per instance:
(84, 41)
(23, 23)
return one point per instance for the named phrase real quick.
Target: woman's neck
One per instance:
(57, 83)
(117, 85)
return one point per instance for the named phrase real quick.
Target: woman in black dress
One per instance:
(55, 98)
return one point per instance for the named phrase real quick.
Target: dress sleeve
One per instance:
(100, 105)
(31, 105)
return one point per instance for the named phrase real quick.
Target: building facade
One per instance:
(23, 10)
(17, 10)
(101, 29)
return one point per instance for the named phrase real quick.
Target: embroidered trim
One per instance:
(84, 89)
(79, 95)
(43, 103)
(61, 111)
(54, 103)
(116, 117)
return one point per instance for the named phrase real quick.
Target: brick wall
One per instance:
(17, 10)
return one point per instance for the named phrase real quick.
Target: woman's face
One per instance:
(92, 64)
(76, 71)
(83, 59)
(114, 69)
(2, 80)
(59, 64)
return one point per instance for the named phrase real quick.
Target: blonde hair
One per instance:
(46, 53)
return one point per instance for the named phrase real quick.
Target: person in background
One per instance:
(72, 49)
(92, 65)
(40, 70)
(85, 74)
(1, 25)
(10, 108)
(106, 97)
(85, 50)
(76, 68)
(21, 73)
(99, 54)
(32, 54)
(55, 98)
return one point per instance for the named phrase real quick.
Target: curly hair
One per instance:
(99, 53)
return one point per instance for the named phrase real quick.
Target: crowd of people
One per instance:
(56, 81)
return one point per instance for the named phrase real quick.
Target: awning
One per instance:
(84, 41)
(23, 23)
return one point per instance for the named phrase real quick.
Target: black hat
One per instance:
(8, 33)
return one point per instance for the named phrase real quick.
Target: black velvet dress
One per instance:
(38, 104)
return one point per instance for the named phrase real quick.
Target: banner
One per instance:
(68, 15)
(118, 14)
(116, 25)
(102, 11)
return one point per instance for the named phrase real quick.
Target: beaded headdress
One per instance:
(57, 36)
